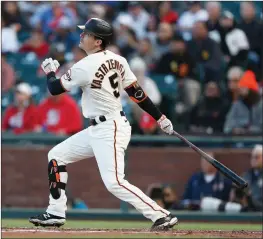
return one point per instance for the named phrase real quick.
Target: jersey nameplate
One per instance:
(104, 69)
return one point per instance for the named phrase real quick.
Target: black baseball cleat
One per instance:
(164, 223)
(47, 220)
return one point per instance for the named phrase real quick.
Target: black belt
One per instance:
(102, 118)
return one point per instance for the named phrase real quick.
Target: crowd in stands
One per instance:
(209, 190)
(58, 115)
(201, 63)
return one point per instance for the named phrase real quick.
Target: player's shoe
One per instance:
(47, 220)
(164, 223)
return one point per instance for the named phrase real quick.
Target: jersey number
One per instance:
(114, 84)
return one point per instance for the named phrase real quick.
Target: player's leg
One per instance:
(73, 149)
(109, 152)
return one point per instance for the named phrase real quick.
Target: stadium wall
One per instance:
(25, 180)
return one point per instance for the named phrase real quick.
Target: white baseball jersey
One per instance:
(101, 76)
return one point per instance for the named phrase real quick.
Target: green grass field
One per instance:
(138, 224)
(74, 224)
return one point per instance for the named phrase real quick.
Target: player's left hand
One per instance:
(166, 125)
(50, 65)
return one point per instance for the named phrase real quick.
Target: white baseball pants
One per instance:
(107, 141)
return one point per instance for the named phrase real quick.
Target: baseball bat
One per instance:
(240, 182)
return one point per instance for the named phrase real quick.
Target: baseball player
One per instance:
(101, 75)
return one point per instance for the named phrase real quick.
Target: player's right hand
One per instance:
(166, 125)
(50, 65)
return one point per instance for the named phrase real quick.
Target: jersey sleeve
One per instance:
(74, 77)
(129, 77)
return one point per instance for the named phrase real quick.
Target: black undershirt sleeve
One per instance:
(137, 95)
(54, 84)
(148, 106)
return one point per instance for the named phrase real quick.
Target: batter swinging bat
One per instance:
(240, 182)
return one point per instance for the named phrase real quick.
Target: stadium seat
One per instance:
(167, 84)
(23, 36)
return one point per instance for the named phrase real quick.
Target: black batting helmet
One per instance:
(98, 28)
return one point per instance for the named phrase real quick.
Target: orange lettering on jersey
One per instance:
(96, 84)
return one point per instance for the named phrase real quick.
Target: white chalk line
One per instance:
(43, 230)
(88, 231)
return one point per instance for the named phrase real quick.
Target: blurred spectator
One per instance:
(64, 35)
(54, 115)
(125, 36)
(111, 12)
(10, 42)
(213, 24)
(254, 32)
(250, 25)
(206, 53)
(161, 43)
(234, 42)
(75, 203)
(234, 75)
(22, 116)
(209, 113)
(140, 18)
(146, 52)
(48, 17)
(56, 51)
(72, 6)
(189, 18)
(138, 67)
(254, 177)
(166, 13)
(130, 45)
(97, 11)
(7, 75)
(79, 9)
(151, 28)
(150, 6)
(180, 64)
(261, 51)
(252, 199)
(207, 183)
(170, 197)
(148, 124)
(214, 12)
(13, 17)
(245, 115)
(155, 192)
(145, 30)
(37, 44)
(28, 8)
(122, 23)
